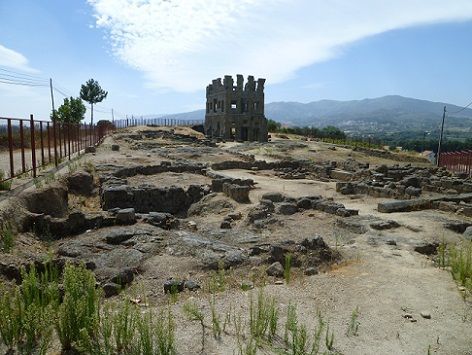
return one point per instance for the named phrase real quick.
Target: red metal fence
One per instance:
(26, 145)
(460, 162)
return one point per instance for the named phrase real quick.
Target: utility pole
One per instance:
(112, 116)
(53, 123)
(441, 137)
(52, 96)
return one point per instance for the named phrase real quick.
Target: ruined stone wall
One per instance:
(236, 111)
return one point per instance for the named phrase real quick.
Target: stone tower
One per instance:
(236, 111)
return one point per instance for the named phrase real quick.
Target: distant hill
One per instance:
(384, 114)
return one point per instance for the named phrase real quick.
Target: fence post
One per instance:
(10, 148)
(33, 146)
(42, 142)
(68, 138)
(54, 141)
(22, 146)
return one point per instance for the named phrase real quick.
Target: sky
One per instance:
(157, 56)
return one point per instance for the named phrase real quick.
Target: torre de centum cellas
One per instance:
(236, 112)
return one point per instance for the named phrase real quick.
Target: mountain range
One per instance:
(384, 114)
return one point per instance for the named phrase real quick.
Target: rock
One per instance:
(191, 285)
(234, 258)
(10, 271)
(273, 196)
(50, 200)
(80, 183)
(311, 271)
(458, 227)
(391, 242)
(126, 216)
(412, 181)
(382, 225)
(225, 225)
(238, 193)
(192, 225)
(304, 203)
(115, 147)
(90, 149)
(235, 216)
(124, 277)
(275, 269)
(278, 282)
(287, 208)
(119, 236)
(314, 243)
(346, 212)
(425, 314)
(111, 289)
(173, 286)
(468, 233)
(413, 191)
(163, 220)
(404, 205)
(427, 248)
(247, 285)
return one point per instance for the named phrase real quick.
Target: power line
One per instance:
(19, 78)
(22, 74)
(3, 81)
(462, 109)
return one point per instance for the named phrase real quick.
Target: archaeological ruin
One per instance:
(234, 112)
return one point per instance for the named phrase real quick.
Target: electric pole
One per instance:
(52, 97)
(441, 137)
(53, 122)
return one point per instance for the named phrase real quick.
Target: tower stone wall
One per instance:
(236, 111)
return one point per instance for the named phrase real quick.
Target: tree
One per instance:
(92, 93)
(71, 111)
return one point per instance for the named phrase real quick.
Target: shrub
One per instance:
(79, 310)
(263, 317)
(7, 238)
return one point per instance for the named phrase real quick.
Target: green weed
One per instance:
(193, 312)
(354, 323)
(4, 185)
(8, 238)
(288, 267)
(263, 317)
(80, 306)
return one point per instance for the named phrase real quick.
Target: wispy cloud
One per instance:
(15, 60)
(182, 45)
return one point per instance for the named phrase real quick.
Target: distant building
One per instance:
(236, 112)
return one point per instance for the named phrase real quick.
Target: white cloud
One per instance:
(183, 44)
(15, 60)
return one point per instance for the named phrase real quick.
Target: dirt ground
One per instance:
(383, 281)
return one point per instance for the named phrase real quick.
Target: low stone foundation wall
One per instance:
(236, 192)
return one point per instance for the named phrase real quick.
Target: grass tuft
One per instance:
(8, 238)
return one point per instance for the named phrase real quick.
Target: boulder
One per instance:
(126, 216)
(427, 248)
(382, 225)
(80, 183)
(273, 196)
(468, 233)
(115, 147)
(413, 191)
(275, 269)
(111, 289)
(287, 208)
(173, 286)
(163, 220)
(50, 200)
